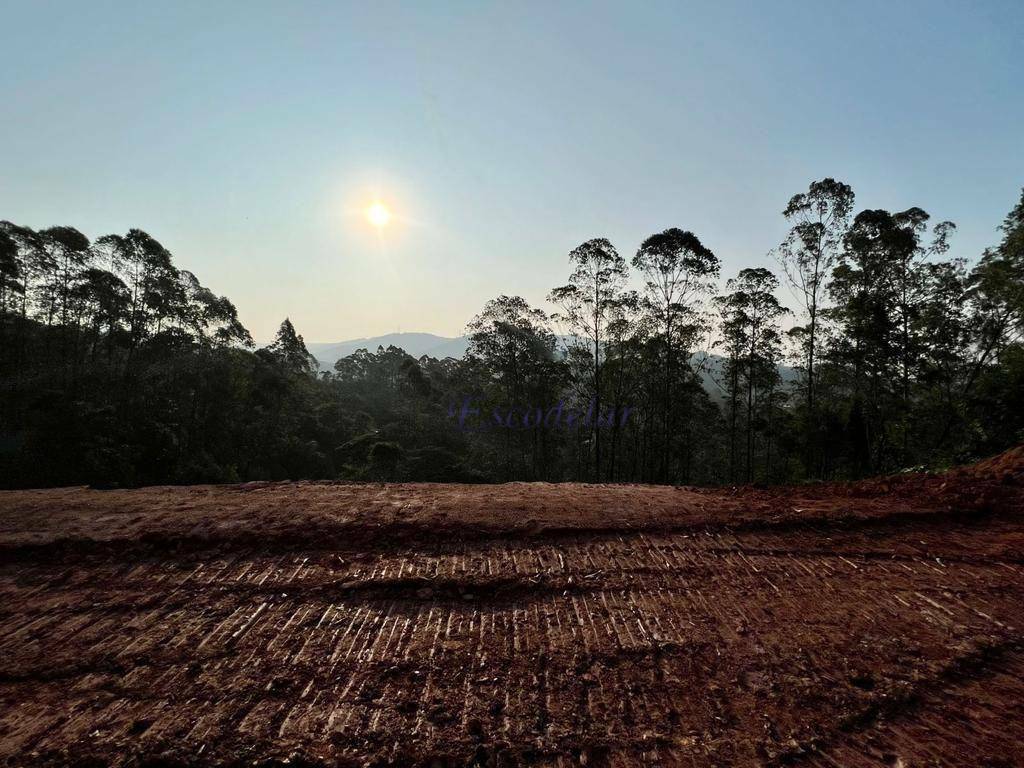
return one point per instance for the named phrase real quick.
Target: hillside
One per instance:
(874, 624)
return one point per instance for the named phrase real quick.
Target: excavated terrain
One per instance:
(873, 624)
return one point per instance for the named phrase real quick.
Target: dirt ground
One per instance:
(873, 624)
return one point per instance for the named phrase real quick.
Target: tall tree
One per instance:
(69, 254)
(911, 272)
(996, 291)
(152, 280)
(26, 255)
(103, 299)
(678, 271)
(819, 219)
(943, 320)
(587, 302)
(622, 353)
(10, 271)
(289, 351)
(208, 317)
(516, 346)
(750, 327)
(512, 338)
(863, 290)
(10, 286)
(879, 289)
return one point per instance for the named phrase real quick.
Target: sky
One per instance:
(249, 138)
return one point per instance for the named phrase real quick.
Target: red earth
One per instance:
(868, 624)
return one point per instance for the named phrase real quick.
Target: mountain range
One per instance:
(416, 344)
(419, 344)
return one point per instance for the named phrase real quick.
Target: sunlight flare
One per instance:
(378, 214)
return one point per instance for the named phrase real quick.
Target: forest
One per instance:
(119, 369)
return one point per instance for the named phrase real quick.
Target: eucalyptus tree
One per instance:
(819, 219)
(514, 341)
(750, 316)
(210, 319)
(69, 254)
(623, 371)
(880, 288)
(732, 342)
(678, 273)
(103, 302)
(289, 352)
(943, 322)
(989, 394)
(147, 269)
(27, 256)
(996, 292)
(10, 286)
(863, 290)
(587, 303)
(919, 285)
(10, 272)
(516, 347)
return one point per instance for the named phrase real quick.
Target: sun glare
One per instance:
(378, 214)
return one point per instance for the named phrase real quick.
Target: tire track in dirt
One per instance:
(620, 645)
(932, 524)
(972, 715)
(583, 635)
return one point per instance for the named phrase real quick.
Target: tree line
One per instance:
(118, 368)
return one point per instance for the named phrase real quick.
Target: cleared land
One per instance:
(876, 624)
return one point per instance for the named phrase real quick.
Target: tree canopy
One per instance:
(119, 368)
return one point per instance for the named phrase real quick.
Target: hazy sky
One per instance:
(248, 137)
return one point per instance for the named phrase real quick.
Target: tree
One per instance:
(819, 220)
(151, 277)
(913, 290)
(624, 337)
(10, 270)
(26, 257)
(918, 360)
(587, 302)
(208, 317)
(945, 328)
(69, 253)
(677, 271)
(10, 286)
(750, 315)
(879, 289)
(516, 347)
(513, 340)
(289, 352)
(104, 301)
(996, 292)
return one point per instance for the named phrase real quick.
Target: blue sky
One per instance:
(248, 137)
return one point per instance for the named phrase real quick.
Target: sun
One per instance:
(378, 214)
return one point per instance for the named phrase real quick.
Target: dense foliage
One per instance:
(117, 368)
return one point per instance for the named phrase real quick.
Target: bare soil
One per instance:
(869, 624)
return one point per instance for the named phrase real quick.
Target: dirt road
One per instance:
(878, 624)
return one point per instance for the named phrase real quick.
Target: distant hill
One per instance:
(416, 344)
(712, 374)
(419, 344)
